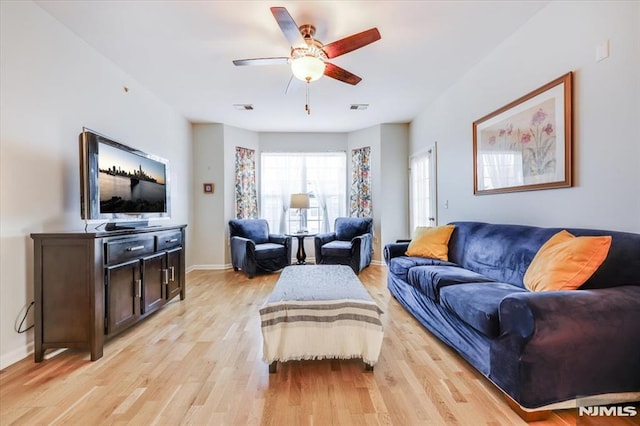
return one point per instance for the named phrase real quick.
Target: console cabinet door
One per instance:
(154, 277)
(123, 287)
(174, 266)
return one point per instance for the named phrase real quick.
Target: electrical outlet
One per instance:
(446, 204)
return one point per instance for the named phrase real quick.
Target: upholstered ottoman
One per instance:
(317, 312)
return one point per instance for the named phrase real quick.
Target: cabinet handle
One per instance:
(165, 276)
(139, 288)
(173, 240)
(173, 272)
(135, 248)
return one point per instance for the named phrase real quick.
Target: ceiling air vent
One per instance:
(359, 107)
(243, 107)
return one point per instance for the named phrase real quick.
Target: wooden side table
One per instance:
(300, 254)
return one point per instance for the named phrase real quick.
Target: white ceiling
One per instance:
(182, 52)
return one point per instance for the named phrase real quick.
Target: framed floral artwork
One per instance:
(526, 145)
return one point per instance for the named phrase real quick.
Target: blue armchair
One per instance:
(254, 249)
(351, 243)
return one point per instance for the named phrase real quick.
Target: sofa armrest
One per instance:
(560, 345)
(591, 312)
(392, 250)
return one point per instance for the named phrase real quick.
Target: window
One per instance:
(321, 175)
(422, 187)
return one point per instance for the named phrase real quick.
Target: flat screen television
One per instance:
(121, 184)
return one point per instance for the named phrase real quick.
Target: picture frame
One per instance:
(208, 188)
(527, 144)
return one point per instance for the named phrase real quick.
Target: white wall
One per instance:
(303, 142)
(51, 85)
(214, 162)
(394, 183)
(208, 221)
(389, 181)
(560, 38)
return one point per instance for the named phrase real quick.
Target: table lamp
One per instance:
(300, 201)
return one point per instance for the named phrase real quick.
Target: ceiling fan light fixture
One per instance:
(307, 68)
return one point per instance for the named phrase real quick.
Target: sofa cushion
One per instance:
(400, 265)
(431, 242)
(430, 279)
(565, 262)
(477, 303)
(270, 250)
(337, 248)
(347, 228)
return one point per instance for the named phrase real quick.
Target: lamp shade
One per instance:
(299, 201)
(307, 68)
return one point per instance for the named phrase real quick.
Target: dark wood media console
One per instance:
(92, 285)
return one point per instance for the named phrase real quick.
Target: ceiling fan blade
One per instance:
(341, 74)
(262, 61)
(287, 25)
(353, 42)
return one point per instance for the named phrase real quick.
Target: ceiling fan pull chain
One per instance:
(306, 106)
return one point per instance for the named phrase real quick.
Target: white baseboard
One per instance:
(16, 355)
(208, 267)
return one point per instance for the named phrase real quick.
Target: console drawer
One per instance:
(119, 251)
(168, 240)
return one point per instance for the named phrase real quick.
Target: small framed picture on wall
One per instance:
(208, 188)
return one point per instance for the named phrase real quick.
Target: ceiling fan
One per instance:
(309, 57)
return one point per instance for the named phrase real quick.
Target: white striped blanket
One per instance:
(320, 311)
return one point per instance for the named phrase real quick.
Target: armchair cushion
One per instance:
(337, 248)
(270, 250)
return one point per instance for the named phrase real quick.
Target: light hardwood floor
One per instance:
(198, 361)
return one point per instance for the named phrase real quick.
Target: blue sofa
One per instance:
(543, 349)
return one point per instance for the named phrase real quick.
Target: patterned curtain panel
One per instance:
(361, 182)
(246, 194)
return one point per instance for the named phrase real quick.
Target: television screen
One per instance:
(129, 182)
(121, 182)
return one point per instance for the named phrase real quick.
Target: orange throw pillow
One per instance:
(431, 242)
(565, 262)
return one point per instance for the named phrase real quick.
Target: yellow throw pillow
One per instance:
(565, 262)
(431, 242)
